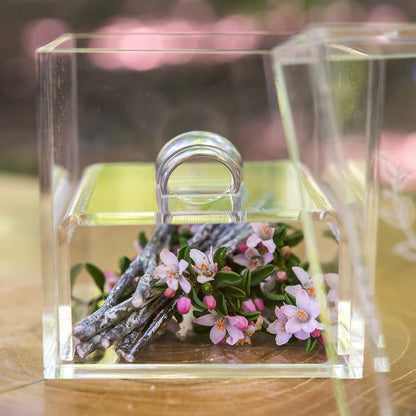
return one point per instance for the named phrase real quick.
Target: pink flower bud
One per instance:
(322, 339)
(316, 333)
(248, 306)
(281, 276)
(286, 251)
(169, 293)
(226, 269)
(209, 302)
(259, 304)
(243, 248)
(184, 305)
(239, 322)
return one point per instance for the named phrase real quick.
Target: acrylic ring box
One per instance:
(185, 257)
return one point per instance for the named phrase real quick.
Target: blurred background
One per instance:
(28, 24)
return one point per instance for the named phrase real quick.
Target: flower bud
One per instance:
(169, 293)
(239, 322)
(248, 306)
(226, 269)
(242, 248)
(281, 276)
(259, 304)
(184, 305)
(209, 302)
(286, 251)
(316, 333)
(207, 287)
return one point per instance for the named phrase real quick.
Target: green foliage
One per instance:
(246, 282)
(273, 296)
(184, 253)
(227, 278)
(97, 275)
(196, 302)
(310, 344)
(219, 257)
(142, 239)
(258, 275)
(124, 264)
(293, 239)
(221, 306)
(251, 316)
(160, 286)
(232, 291)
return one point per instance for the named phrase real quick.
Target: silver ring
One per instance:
(196, 144)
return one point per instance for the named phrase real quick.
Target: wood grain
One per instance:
(24, 392)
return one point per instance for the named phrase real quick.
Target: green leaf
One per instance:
(219, 257)
(196, 302)
(235, 292)
(186, 233)
(226, 278)
(258, 275)
(235, 303)
(183, 241)
(290, 300)
(124, 264)
(279, 234)
(96, 274)
(265, 333)
(221, 307)
(178, 316)
(273, 296)
(142, 239)
(75, 271)
(183, 253)
(160, 286)
(312, 345)
(198, 314)
(246, 281)
(251, 316)
(294, 239)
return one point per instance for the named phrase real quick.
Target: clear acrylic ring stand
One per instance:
(196, 145)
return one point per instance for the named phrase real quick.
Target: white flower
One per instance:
(204, 265)
(172, 271)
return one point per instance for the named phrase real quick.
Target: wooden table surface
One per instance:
(23, 391)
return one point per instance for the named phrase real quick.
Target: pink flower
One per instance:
(172, 271)
(169, 293)
(281, 276)
(302, 317)
(210, 302)
(222, 326)
(248, 306)
(252, 327)
(184, 305)
(226, 269)
(110, 280)
(278, 327)
(262, 234)
(259, 304)
(307, 283)
(253, 259)
(239, 322)
(204, 266)
(242, 248)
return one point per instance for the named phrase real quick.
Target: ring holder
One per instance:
(190, 147)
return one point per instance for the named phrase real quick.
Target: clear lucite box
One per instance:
(168, 137)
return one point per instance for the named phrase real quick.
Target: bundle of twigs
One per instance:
(131, 324)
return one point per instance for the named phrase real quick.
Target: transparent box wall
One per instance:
(109, 104)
